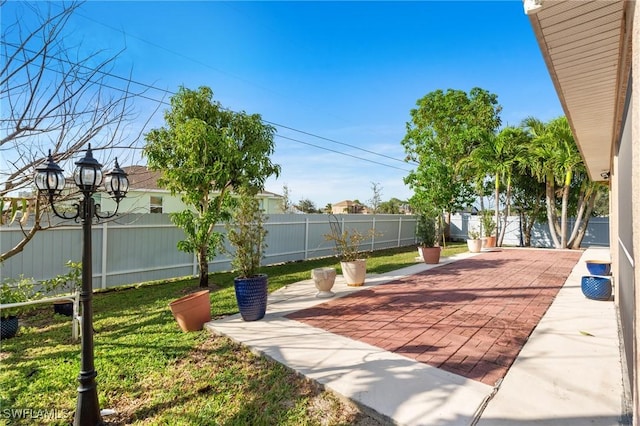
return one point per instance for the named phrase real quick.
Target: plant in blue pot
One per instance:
(247, 235)
(14, 291)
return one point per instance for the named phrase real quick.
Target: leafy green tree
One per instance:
(445, 128)
(554, 159)
(286, 199)
(392, 206)
(376, 198)
(247, 234)
(307, 206)
(205, 152)
(498, 157)
(529, 203)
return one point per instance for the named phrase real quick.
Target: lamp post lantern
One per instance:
(50, 181)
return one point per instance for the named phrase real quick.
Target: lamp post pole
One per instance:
(50, 181)
(87, 409)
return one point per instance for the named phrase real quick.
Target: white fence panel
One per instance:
(597, 232)
(142, 247)
(137, 248)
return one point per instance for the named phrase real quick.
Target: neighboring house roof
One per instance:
(345, 203)
(348, 205)
(140, 177)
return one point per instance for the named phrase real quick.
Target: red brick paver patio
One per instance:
(470, 317)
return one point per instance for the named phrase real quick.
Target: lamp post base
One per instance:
(87, 409)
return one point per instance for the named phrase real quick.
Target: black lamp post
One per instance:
(50, 180)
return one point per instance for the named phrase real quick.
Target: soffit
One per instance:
(584, 46)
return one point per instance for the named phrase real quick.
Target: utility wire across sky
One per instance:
(171, 93)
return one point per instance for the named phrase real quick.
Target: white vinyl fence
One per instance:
(597, 232)
(142, 247)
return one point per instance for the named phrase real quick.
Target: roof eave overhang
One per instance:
(586, 46)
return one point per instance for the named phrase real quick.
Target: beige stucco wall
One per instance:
(613, 223)
(138, 202)
(635, 194)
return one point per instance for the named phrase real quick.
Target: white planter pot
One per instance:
(475, 246)
(324, 278)
(354, 272)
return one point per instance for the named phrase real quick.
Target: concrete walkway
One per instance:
(567, 373)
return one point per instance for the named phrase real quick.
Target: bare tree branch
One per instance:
(54, 96)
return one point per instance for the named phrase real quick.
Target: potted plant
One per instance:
(474, 243)
(488, 229)
(14, 291)
(427, 234)
(247, 235)
(352, 260)
(63, 284)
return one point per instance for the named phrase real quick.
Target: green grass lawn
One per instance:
(151, 373)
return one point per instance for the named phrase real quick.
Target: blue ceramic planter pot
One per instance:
(251, 295)
(596, 288)
(8, 327)
(598, 267)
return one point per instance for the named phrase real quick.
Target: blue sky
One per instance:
(345, 71)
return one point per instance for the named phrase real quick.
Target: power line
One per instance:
(341, 153)
(169, 92)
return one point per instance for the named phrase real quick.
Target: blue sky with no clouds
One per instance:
(345, 71)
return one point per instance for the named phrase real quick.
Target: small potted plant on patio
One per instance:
(353, 261)
(247, 235)
(488, 229)
(428, 235)
(474, 243)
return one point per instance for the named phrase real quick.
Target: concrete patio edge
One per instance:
(569, 373)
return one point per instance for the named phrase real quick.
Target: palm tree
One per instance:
(497, 156)
(555, 160)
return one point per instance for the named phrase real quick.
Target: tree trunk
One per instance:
(482, 213)
(27, 236)
(563, 217)
(203, 264)
(507, 211)
(575, 243)
(446, 232)
(503, 230)
(527, 225)
(551, 211)
(497, 201)
(579, 215)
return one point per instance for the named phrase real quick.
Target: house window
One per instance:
(155, 204)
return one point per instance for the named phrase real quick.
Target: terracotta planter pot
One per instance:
(489, 242)
(475, 246)
(324, 278)
(430, 255)
(354, 272)
(192, 310)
